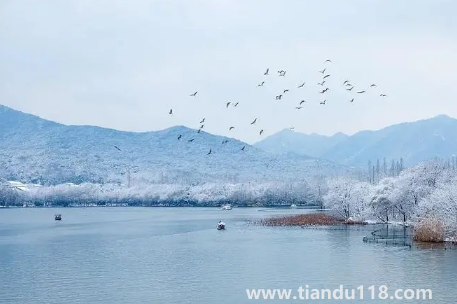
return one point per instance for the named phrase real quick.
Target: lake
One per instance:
(176, 255)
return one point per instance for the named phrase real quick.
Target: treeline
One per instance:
(423, 192)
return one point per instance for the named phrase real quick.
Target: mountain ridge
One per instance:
(413, 141)
(40, 151)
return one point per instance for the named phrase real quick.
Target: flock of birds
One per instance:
(347, 85)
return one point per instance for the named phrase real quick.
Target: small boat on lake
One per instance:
(226, 207)
(221, 225)
(58, 217)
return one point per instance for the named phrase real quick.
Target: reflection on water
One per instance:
(176, 255)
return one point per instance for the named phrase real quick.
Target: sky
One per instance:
(124, 64)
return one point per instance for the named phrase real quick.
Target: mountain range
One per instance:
(36, 150)
(411, 141)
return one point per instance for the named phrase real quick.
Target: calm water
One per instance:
(175, 255)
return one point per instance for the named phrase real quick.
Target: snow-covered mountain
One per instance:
(44, 152)
(413, 141)
(287, 141)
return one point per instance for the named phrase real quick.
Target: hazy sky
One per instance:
(124, 64)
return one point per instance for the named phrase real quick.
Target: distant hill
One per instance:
(413, 141)
(287, 141)
(40, 151)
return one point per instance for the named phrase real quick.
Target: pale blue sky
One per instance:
(123, 64)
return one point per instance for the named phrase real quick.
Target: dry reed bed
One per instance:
(312, 219)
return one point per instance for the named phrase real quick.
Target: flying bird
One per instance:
(210, 151)
(231, 128)
(278, 97)
(261, 131)
(328, 75)
(373, 85)
(349, 89)
(179, 137)
(191, 140)
(383, 95)
(203, 120)
(285, 91)
(323, 102)
(360, 92)
(323, 71)
(301, 102)
(117, 148)
(298, 108)
(201, 127)
(283, 73)
(266, 72)
(193, 94)
(261, 85)
(301, 86)
(242, 149)
(321, 83)
(228, 103)
(199, 130)
(352, 100)
(236, 104)
(170, 112)
(328, 60)
(224, 141)
(255, 120)
(345, 82)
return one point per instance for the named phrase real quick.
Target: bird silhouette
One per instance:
(202, 121)
(231, 128)
(261, 85)
(323, 71)
(285, 91)
(328, 75)
(278, 97)
(261, 131)
(170, 112)
(360, 92)
(117, 148)
(283, 73)
(373, 85)
(323, 102)
(303, 101)
(321, 83)
(328, 60)
(210, 151)
(228, 103)
(194, 94)
(298, 108)
(349, 89)
(345, 82)
(179, 137)
(301, 86)
(199, 130)
(236, 104)
(266, 72)
(201, 127)
(224, 141)
(352, 100)
(242, 149)
(255, 120)
(383, 95)
(191, 140)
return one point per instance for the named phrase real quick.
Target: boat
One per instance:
(293, 206)
(226, 207)
(58, 217)
(221, 225)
